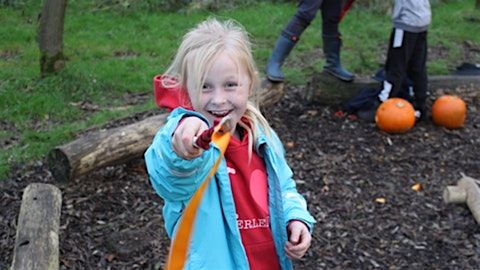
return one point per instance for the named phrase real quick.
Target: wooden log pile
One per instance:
(36, 242)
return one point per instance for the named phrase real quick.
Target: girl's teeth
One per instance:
(219, 114)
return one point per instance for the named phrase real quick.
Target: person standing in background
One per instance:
(290, 35)
(407, 52)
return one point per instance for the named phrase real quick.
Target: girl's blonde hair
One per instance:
(196, 54)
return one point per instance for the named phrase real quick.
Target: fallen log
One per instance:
(103, 148)
(325, 89)
(122, 144)
(466, 191)
(36, 242)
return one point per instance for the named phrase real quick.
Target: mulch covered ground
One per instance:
(357, 180)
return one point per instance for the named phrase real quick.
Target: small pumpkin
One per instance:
(395, 115)
(449, 111)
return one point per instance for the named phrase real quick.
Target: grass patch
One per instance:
(112, 53)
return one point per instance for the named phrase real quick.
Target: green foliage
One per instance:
(114, 48)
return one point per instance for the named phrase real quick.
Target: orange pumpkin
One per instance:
(449, 111)
(395, 115)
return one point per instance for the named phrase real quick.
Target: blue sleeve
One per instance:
(174, 178)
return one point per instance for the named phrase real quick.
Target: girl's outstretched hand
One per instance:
(183, 137)
(299, 239)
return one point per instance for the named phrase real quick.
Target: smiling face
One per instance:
(225, 91)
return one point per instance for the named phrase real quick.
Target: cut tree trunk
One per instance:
(115, 146)
(36, 242)
(50, 38)
(269, 93)
(103, 148)
(466, 191)
(327, 90)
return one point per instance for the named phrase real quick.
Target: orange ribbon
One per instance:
(180, 244)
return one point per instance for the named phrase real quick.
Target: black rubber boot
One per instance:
(331, 49)
(282, 48)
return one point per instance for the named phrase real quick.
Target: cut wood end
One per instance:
(454, 194)
(269, 93)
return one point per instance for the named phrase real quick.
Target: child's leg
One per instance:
(400, 50)
(288, 38)
(417, 71)
(332, 41)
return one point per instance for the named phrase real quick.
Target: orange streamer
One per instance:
(179, 247)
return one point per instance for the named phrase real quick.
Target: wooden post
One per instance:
(50, 39)
(36, 242)
(467, 191)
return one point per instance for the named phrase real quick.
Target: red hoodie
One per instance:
(250, 193)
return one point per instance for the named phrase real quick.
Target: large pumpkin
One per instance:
(449, 111)
(395, 115)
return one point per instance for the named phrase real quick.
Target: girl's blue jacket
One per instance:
(216, 241)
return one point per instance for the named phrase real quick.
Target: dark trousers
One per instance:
(408, 61)
(307, 11)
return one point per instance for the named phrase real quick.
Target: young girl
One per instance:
(251, 215)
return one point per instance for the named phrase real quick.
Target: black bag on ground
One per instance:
(365, 103)
(466, 69)
(365, 99)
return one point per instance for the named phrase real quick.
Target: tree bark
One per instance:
(36, 242)
(269, 93)
(50, 37)
(327, 90)
(103, 148)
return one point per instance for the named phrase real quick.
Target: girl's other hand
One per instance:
(299, 239)
(183, 137)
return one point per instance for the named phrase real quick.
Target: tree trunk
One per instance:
(36, 242)
(50, 38)
(103, 148)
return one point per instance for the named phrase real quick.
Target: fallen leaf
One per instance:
(290, 144)
(381, 200)
(417, 187)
